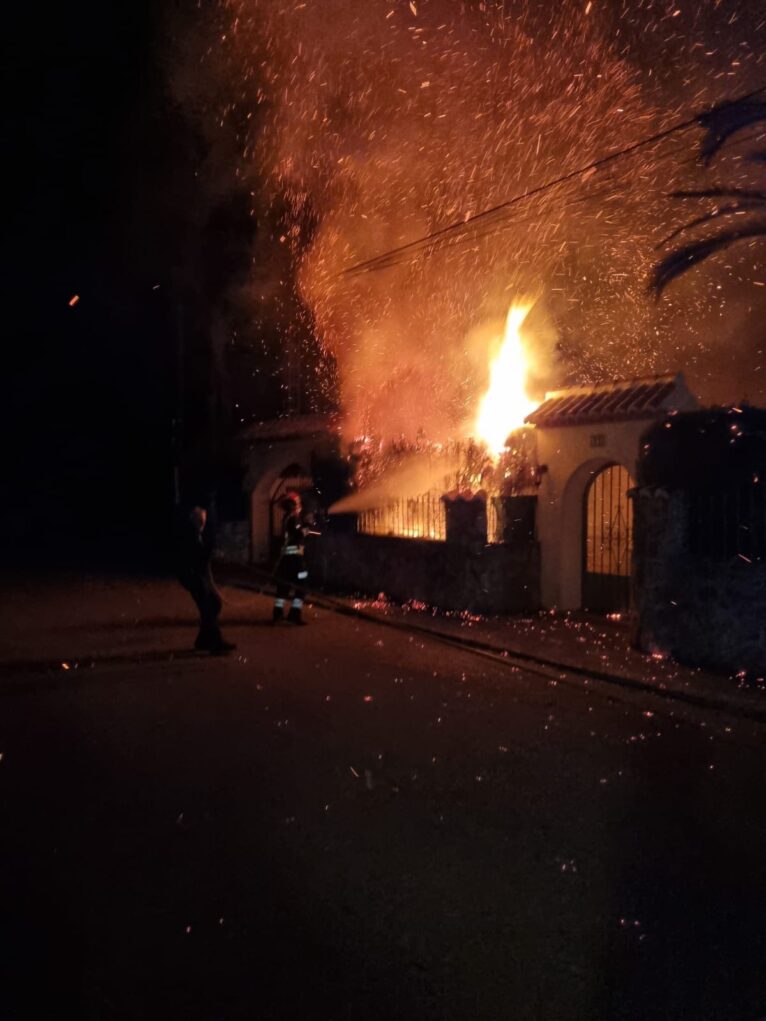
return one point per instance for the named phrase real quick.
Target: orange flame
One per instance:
(506, 404)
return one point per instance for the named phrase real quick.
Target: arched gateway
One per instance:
(280, 455)
(607, 542)
(588, 443)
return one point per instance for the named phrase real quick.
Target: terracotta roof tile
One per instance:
(630, 398)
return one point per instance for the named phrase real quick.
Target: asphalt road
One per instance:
(345, 821)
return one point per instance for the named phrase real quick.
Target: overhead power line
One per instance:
(393, 256)
(489, 227)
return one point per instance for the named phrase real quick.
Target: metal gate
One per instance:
(608, 541)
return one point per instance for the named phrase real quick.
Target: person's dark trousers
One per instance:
(205, 595)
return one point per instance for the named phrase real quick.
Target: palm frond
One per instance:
(726, 120)
(735, 209)
(682, 259)
(720, 193)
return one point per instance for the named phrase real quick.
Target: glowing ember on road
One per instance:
(506, 404)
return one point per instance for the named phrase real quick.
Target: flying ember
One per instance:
(506, 404)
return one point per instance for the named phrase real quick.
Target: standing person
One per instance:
(195, 551)
(291, 572)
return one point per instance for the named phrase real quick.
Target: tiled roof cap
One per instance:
(645, 397)
(291, 427)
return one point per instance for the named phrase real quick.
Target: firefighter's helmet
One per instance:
(291, 501)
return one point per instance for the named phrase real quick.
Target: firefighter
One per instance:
(291, 572)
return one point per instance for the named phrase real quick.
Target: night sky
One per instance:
(105, 170)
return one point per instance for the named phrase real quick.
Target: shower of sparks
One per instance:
(357, 128)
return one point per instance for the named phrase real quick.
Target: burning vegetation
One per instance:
(417, 489)
(506, 403)
(470, 493)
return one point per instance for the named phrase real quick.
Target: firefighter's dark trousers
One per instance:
(291, 578)
(203, 591)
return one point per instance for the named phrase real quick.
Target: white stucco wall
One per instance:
(573, 455)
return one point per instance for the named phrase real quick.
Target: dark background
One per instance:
(88, 389)
(106, 203)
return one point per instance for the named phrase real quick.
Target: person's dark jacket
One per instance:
(194, 552)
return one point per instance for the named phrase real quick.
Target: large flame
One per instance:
(506, 404)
